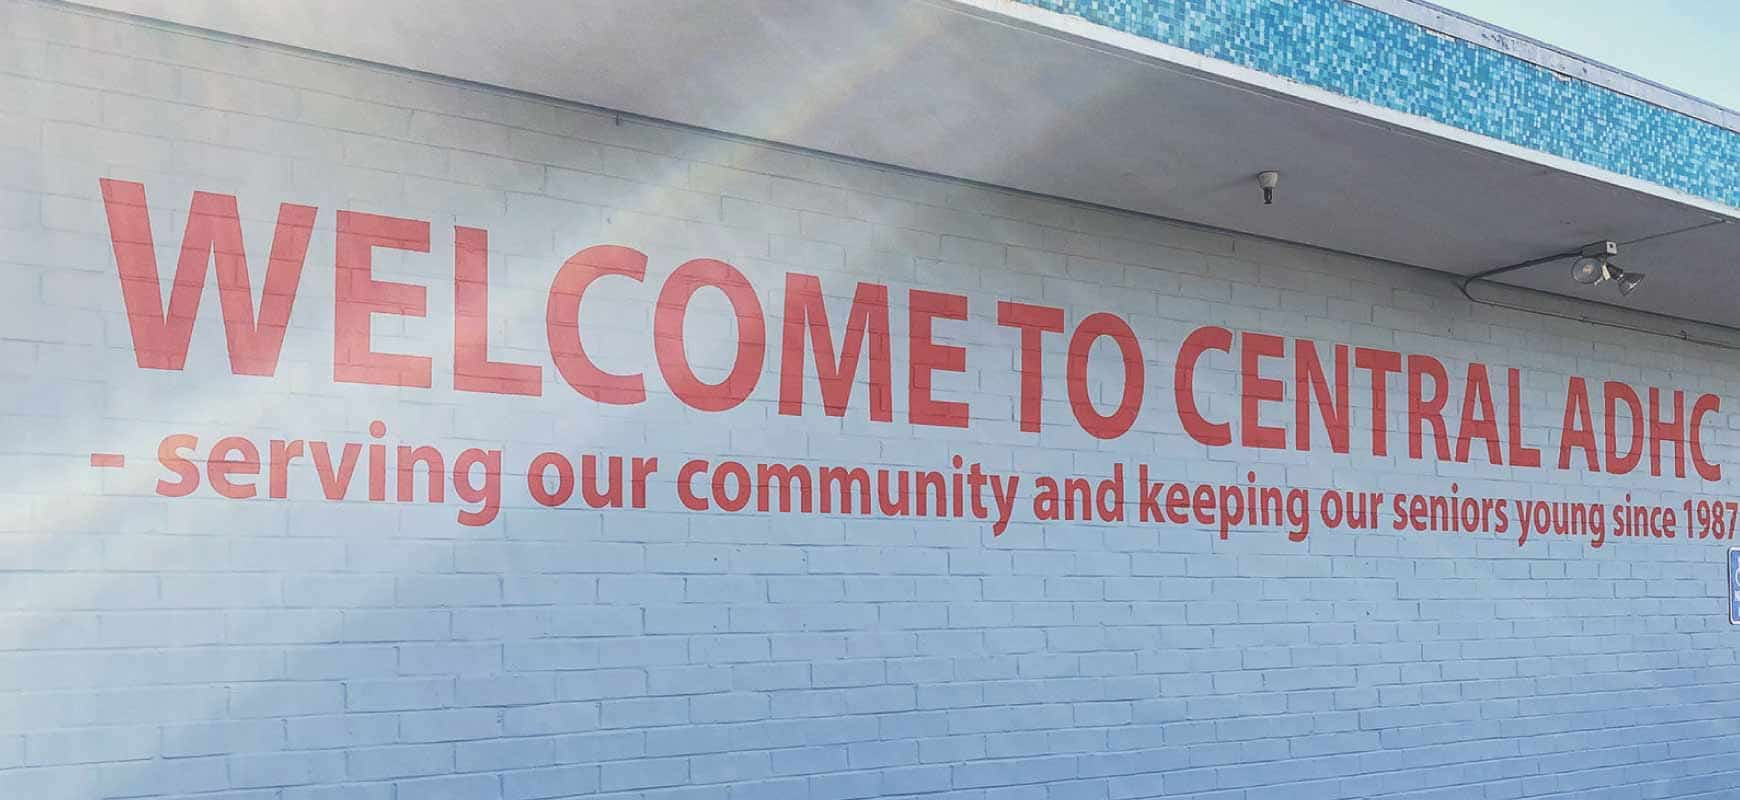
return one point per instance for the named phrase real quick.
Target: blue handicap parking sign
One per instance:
(1734, 585)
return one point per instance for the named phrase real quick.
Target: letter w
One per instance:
(214, 235)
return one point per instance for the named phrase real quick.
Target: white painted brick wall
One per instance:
(303, 650)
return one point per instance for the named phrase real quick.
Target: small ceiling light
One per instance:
(1592, 266)
(1268, 180)
(1588, 269)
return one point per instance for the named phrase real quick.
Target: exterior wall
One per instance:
(301, 649)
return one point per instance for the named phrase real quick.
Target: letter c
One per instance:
(685, 485)
(562, 323)
(1202, 339)
(1705, 404)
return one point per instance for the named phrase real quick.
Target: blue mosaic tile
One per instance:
(1368, 55)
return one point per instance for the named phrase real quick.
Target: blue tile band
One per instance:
(1368, 55)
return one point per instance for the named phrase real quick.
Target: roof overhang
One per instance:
(1007, 94)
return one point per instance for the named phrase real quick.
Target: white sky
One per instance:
(1689, 45)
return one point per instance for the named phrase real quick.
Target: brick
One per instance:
(377, 763)
(317, 663)
(348, 731)
(285, 769)
(449, 725)
(398, 694)
(551, 782)
(448, 659)
(452, 787)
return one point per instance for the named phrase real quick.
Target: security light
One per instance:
(1268, 180)
(1595, 265)
(1627, 280)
